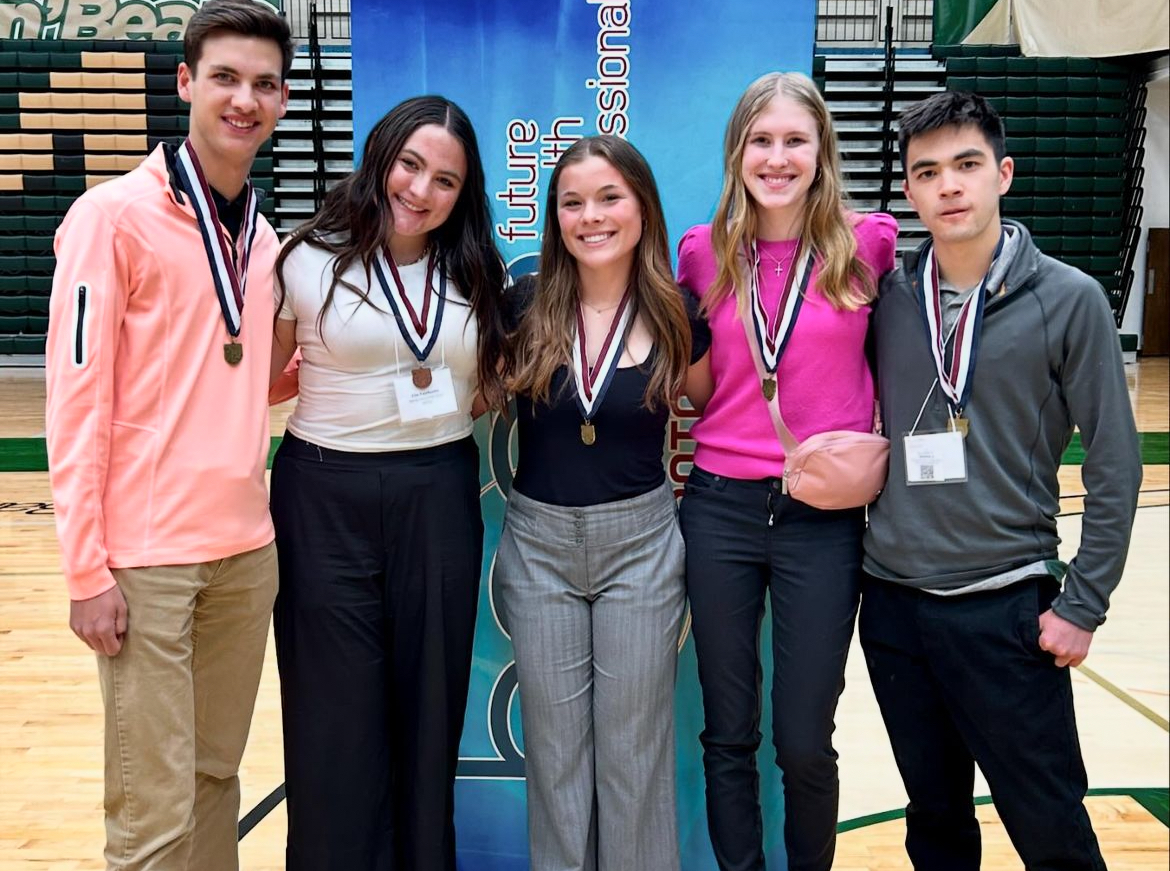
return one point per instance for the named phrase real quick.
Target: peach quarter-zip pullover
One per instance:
(157, 446)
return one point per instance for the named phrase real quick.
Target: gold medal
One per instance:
(233, 352)
(588, 433)
(959, 425)
(769, 386)
(421, 377)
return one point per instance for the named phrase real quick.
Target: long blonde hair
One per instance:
(844, 280)
(544, 340)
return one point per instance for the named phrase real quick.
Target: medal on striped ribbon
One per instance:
(423, 331)
(954, 355)
(229, 263)
(593, 381)
(773, 332)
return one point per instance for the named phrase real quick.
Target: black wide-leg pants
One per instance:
(380, 558)
(962, 680)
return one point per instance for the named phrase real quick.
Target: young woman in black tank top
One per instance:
(590, 563)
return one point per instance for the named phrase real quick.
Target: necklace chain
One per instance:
(780, 264)
(601, 311)
(426, 250)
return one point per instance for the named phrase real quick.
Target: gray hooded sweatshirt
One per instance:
(1048, 359)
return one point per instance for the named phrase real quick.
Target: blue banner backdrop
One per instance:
(533, 77)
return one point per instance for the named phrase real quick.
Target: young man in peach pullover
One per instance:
(157, 367)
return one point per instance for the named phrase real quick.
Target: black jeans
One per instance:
(809, 562)
(380, 558)
(962, 680)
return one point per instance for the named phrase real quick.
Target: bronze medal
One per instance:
(229, 266)
(421, 377)
(959, 425)
(769, 387)
(588, 433)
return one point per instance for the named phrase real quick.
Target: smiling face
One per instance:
(954, 183)
(422, 187)
(599, 216)
(779, 165)
(236, 96)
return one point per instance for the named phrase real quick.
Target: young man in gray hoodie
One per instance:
(988, 354)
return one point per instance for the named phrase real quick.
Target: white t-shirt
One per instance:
(347, 400)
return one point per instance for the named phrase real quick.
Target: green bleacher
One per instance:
(1075, 128)
(74, 113)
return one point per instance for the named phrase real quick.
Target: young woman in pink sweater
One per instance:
(783, 247)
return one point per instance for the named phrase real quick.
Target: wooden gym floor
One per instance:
(50, 710)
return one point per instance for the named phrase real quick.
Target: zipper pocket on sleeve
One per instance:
(80, 333)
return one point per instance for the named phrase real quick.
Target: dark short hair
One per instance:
(243, 17)
(951, 109)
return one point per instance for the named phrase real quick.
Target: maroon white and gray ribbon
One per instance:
(954, 356)
(773, 332)
(229, 265)
(423, 331)
(593, 381)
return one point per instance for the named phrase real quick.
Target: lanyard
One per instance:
(424, 328)
(772, 333)
(593, 382)
(229, 265)
(956, 369)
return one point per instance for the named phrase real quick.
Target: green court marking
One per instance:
(23, 455)
(1155, 449)
(1156, 801)
(28, 455)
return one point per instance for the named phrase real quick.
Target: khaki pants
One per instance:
(178, 702)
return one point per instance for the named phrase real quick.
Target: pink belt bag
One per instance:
(829, 470)
(838, 469)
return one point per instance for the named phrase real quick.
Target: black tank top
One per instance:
(626, 460)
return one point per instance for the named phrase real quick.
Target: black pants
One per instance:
(380, 558)
(809, 562)
(962, 680)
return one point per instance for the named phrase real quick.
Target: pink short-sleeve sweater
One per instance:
(823, 379)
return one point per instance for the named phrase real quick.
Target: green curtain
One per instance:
(954, 19)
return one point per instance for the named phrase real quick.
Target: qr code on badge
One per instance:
(927, 472)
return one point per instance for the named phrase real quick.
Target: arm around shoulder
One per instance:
(877, 242)
(700, 384)
(696, 260)
(284, 368)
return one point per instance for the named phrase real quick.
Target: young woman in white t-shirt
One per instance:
(392, 293)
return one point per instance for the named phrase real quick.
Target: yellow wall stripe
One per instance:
(64, 101)
(62, 121)
(113, 60)
(98, 81)
(26, 162)
(26, 142)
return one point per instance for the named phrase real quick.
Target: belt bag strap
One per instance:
(829, 470)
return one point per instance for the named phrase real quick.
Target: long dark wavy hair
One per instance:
(353, 222)
(544, 340)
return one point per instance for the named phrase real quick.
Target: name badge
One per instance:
(423, 403)
(935, 458)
